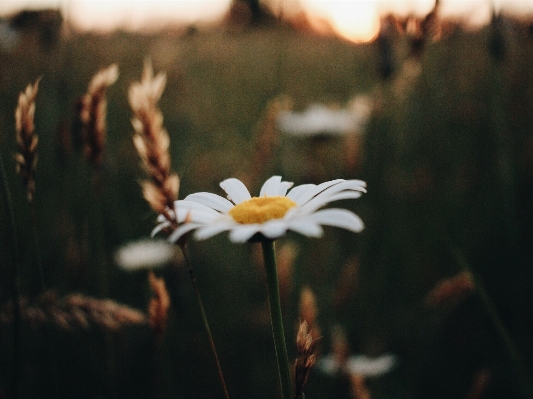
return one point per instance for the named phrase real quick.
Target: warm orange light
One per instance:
(129, 14)
(105, 14)
(357, 21)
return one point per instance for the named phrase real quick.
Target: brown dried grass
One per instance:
(93, 113)
(158, 306)
(74, 311)
(27, 140)
(152, 141)
(451, 290)
(305, 359)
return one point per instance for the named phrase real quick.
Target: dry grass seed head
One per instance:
(158, 306)
(152, 141)
(306, 357)
(27, 140)
(74, 311)
(451, 290)
(93, 113)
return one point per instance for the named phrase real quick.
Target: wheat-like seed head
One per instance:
(27, 140)
(306, 358)
(74, 311)
(152, 142)
(158, 306)
(93, 113)
(451, 290)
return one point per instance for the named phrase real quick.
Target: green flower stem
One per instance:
(204, 319)
(274, 302)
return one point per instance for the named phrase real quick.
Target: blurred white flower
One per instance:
(360, 364)
(317, 119)
(360, 106)
(329, 364)
(320, 119)
(370, 366)
(144, 254)
(270, 215)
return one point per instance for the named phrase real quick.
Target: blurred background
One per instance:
(429, 102)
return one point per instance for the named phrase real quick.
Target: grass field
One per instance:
(448, 159)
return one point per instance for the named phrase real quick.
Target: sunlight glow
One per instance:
(354, 20)
(109, 14)
(106, 14)
(357, 21)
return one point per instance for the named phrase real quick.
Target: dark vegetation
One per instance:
(448, 158)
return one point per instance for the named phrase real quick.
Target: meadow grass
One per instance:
(447, 159)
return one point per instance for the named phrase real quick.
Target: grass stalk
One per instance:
(278, 333)
(37, 245)
(15, 281)
(522, 373)
(204, 319)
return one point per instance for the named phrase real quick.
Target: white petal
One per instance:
(283, 187)
(197, 216)
(236, 190)
(211, 230)
(297, 192)
(325, 196)
(186, 205)
(342, 218)
(193, 210)
(159, 228)
(345, 195)
(183, 229)
(202, 217)
(274, 228)
(243, 232)
(211, 200)
(270, 187)
(361, 183)
(314, 191)
(306, 227)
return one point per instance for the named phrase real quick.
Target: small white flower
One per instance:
(359, 364)
(318, 119)
(371, 366)
(270, 215)
(146, 253)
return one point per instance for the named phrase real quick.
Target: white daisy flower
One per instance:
(269, 215)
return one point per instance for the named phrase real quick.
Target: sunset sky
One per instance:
(357, 20)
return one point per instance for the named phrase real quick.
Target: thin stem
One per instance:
(525, 382)
(15, 280)
(51, 370)
(274, 302)
(204, 318)
(99, 263)
(37, 245)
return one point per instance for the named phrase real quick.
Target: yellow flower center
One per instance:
(261, 209)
